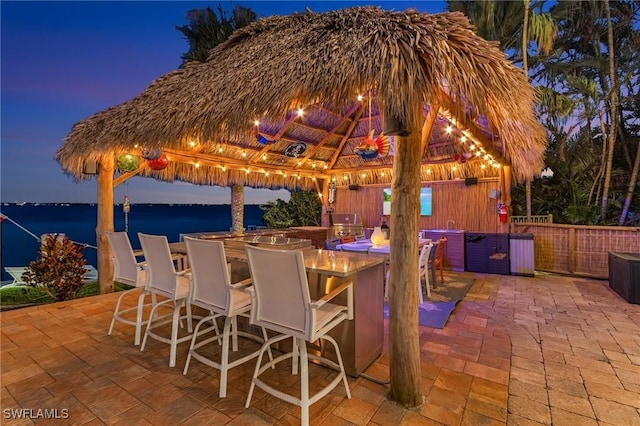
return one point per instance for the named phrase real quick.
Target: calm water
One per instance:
(79, 221)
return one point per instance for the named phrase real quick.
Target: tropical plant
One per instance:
(303, 209)
(59, 270)
(206, 30)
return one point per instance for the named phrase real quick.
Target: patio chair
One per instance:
(332, 244)
(438, 260)
(16, 273)
(164, 281)
(423, 270)
(212, 290)
(127, 270)
(282, 303)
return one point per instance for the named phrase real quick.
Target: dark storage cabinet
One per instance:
(487, 253)
(624, 275)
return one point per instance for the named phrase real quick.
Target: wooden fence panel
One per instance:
(578, 249)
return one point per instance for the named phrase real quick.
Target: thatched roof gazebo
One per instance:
(286, 102)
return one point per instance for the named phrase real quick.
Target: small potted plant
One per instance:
(59, 270)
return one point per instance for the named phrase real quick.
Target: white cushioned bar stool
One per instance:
(172, 286)
(127, 270)
(212, 290)
(282, 303)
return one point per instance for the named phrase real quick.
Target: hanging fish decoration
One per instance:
(384, 144)
(368, 149)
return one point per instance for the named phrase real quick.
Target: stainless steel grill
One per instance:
(345, 224)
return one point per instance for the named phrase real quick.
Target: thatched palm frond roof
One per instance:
(205, 112)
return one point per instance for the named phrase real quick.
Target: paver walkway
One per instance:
(519, 351)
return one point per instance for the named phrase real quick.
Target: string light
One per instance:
(325, 167)
(472, 147)
(197, 165)
(220, 149)
(256, 123)
(300, 112)
(192, 144)
(360, 98)
(264, 156)
(247, 171)
(463, 139)
(244, 154)
(449, 129)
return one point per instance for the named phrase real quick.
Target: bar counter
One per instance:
(361, 339)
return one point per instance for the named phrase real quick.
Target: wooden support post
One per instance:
(404, 349)
(105, 223)
(237, 208)
(505, 189)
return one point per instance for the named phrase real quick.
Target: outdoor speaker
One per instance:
(471, 181)
(90, 168)
(353, 187)
(392, 126)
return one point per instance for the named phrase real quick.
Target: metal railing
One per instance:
(544, 218)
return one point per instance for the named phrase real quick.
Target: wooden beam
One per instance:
(324, 140)
(230, 163)
(277, 136)
(128, 175)
(346, 136)
(472, 131)
(427, 127)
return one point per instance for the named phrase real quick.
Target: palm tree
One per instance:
(205, 31)
(508, 21)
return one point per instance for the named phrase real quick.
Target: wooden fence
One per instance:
(578, 249)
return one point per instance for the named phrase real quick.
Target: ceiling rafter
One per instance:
(281, 131)
(330, 133)
(345, 138)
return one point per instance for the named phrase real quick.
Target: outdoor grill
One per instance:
(342, 224)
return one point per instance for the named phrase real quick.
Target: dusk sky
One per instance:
(64, 61)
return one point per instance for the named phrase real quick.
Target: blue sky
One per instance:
(64, 61)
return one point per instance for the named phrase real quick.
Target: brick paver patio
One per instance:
(519, 351)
